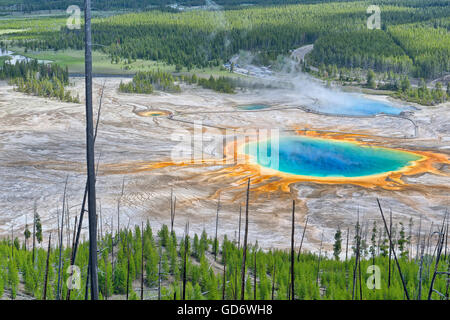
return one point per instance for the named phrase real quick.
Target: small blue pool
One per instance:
(251, 107)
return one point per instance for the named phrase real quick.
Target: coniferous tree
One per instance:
(337, 243)
(402, 242)
(38, 228)
(371, 79)
(13, 277)
(27, 235)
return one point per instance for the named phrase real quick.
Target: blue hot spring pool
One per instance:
(251, 107)
(354, 105)
(317, 157)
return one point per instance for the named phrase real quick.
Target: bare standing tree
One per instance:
(245, 243)
(303, 237)
(186, 247)
(173, 204)
(73, 247)
(419, 290)
(112, 244)
(128, 264)
(34, 228)
(292, 253)
(224, 279)
(58, 292)
(90, 154)
(273, 281)
(418, 238)
(46, 267)
(448, 265)
(346, 244)
(442, 235)
(319, 260)
(393, 250)
(83, 205)
(118, 209)
(357, 246)
(216, 242)
(142, 261)
(239, 236)
(159, 276)
(390, 248)
(254, 274)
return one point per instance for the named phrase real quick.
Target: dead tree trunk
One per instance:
(173, 204)
(239, 235)
(390, 249)
(393, 251)
(245, 243)
(428, 246)
(273, 281)
(128, 267)
(90, 154)
(142, 261)
(292, 253)
(34, 230)
(357, 231)
(418, 238)
(440, 246)
(83, 205)
(25, 242)
(346, 245)
(419, 291)
(86, 292)
(254, 277)
(159, 277)
(224, 279)
(360, 278)
(318, 262)
(73, 245)
(118, 209)
(46, 267)
(58, 292)
(106, 277)
(448, 268)
(236, 282)
(112, 246)
(303, 237)
(186, 245)
(446, 241)
(67, 223)
(74, 234)
(216, 243)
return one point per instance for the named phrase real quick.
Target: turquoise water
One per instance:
(343, 104)
(253, 107)
(353, 105)
(327, 158)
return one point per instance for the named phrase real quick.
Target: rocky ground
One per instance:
(42, 143)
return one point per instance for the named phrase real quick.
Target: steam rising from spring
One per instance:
(297, 88)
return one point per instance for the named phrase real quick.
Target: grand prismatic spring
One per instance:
(324, 158)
